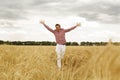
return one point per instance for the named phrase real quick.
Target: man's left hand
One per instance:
(78, 24)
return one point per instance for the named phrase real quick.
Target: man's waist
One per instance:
(61, 43)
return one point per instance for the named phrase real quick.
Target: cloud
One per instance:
(93, 10)
(104, 11)
(10, 24)
(12, 10)
(9, 14)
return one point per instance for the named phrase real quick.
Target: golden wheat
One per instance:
(79, 63)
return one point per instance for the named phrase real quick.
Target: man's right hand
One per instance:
(42, 22)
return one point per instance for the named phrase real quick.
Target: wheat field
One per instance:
(79, 63)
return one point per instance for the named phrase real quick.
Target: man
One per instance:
(59, 34)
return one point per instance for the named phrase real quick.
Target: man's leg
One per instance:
(58, 52)
(63, 51)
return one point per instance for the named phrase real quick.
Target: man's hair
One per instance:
(57, 25)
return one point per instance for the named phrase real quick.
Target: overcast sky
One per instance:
(100, 19)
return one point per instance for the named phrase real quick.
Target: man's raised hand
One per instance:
(42, 22)
(78, 24)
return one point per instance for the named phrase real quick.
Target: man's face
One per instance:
(57, 28)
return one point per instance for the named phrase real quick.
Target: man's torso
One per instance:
(60, 36)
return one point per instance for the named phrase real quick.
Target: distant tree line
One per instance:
(27, 42)
(94, 43)
(45, 43)
(35, 43)
(99, 43)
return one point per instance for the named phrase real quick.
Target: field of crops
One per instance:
(79, 63)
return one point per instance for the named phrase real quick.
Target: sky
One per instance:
(100, 19)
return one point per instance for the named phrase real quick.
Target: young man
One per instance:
(59, 34)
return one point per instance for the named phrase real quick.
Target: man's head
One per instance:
(58, 27)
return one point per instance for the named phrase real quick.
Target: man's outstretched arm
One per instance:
(67, 30)
(46, 26)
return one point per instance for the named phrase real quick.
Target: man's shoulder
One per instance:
(62, 29)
